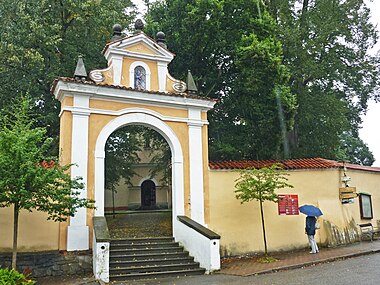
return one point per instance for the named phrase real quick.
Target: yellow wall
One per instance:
(67, 101)
(141, 48)
(113, 106)
(108, 75)
(169, 84)
(367, 182)
(181, 130)
(206, 178)
(127, 196)
(35, 232)
(240, 225)
(65, 138)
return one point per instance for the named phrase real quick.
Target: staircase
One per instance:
(148, 258)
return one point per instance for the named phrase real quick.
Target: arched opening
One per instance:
(170, 200)
(137, 170)
(148, 195)
(140, 78)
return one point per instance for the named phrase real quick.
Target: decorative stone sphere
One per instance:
(160, 36)
(117, 28)
(139, 25)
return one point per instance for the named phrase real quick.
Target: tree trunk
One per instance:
(15, 235)
(263, 224)
(305, 6)
(113, 203)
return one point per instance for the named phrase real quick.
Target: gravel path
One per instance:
(140, 224)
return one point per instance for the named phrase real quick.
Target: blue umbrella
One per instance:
(310, 210)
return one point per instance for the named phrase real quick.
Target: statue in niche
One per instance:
(140, 78)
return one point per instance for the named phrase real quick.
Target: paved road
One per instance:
(363, 270)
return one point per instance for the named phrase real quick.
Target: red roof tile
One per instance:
(90, 82)
(302, 163)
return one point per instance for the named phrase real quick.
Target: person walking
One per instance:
(310, 231)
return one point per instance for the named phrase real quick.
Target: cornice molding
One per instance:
(64, 89)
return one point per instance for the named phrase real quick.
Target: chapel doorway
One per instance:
(148, 195)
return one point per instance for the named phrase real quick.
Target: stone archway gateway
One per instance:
(155, 121)
(136, 89)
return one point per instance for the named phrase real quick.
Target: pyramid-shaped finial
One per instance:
(191, 87)
(80, 71)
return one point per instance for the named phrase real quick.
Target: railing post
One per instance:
(101, 249)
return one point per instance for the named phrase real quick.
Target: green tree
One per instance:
(41, 40)
(121, 151)
(160, 157)
(29, 179)
(326, 46)
(354, 150)
(260, 185)
(232, 50)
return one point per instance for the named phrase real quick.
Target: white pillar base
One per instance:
(77, 238)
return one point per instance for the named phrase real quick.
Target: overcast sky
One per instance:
(370, 132)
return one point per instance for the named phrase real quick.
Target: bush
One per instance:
(12, 277)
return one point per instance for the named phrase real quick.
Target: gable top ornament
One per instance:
(80, 70)
(139, 26)
(117, 32)
(191, 86)
(138, 62)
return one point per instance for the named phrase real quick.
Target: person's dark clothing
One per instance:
(310, 225)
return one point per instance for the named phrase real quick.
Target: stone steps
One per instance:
(148, 258)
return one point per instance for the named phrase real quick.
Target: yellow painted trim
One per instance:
(108, 76)
(169, 84)
(67, 101)
(117, 106)
(206, 178)
(141, 48)
(65, 137)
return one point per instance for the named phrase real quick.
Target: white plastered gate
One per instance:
(87, 122)
(145, 118)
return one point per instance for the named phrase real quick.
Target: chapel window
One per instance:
(140, 78)
(365, 206)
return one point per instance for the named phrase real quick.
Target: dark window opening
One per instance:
(365, 206)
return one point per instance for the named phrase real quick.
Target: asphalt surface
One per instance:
(363, 270)
(352, 264)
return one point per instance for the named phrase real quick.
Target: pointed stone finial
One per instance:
(160, 39)
(191, 87)
(117, 32)
(80, 71)
(139, 26)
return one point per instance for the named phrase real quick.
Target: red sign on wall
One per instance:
(288, 204)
